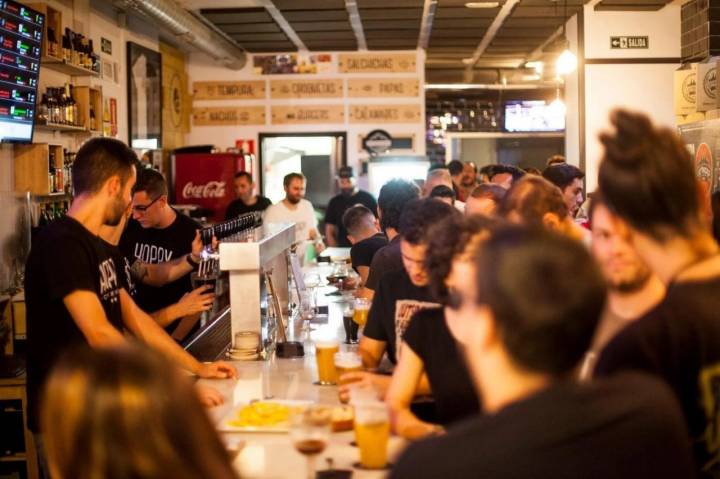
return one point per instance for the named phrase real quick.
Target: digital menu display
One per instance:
(21, 31)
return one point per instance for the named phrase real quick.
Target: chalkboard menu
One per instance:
(21, 31)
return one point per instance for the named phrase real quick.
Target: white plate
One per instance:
(225, 425)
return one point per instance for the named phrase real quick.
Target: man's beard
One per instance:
(294, 199)
(347, 191)
(468, 182)
(631, 285)
(115, 211)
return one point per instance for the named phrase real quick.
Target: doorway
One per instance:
(315, 155)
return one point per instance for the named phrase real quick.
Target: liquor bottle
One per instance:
(51, 173)
(67, 46)
(72, 105)
(54, 106)
(59, 180)
(42, 114)
(52, 44)
(95, 59)
(93, 118)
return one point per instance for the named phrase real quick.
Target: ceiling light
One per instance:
(537, 66)
(482, 4)
(566, 63)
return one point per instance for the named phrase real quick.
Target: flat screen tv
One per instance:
(530, 116)
(21, 31)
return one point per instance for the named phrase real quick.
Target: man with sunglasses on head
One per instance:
(157, 234)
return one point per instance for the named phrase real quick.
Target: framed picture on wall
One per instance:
(144, 67)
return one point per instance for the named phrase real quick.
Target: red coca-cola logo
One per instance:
(211, 189)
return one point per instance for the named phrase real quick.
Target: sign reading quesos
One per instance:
(377, 63)
(385, 113)
(308, 114)
(306, 89)
(242, 115)
(219, 90)
(383, 87)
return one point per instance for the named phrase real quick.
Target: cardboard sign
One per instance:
(377, 63)
(385, 113)
(707, 98)
(308, 114)
(306, 89)
(245, 115)
(685, 86)
(383, 87)
(220, 90)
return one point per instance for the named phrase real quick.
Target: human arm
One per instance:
(196, 301)
(371, 351)
(168, 271)
(378, 382)
(209, 397)
(331, 234)
(363, 271)
(404, 385)
(146, 329)
(88, 314)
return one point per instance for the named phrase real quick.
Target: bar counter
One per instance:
(272, 455)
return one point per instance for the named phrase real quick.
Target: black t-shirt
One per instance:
(155, 246)
(362, 252)
(387, 259)
(65, 258)
(123, 265)
(679, 341)
(337, 207)
(627, 427)
(429, 337)
(237, 207)
(395, 302)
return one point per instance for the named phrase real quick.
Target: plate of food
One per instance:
(262, 416)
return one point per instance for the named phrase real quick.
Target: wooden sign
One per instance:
(377, 62)
(221, 90)
(245, 115)
(383, 87)
(308, 114)
(379, 114)
(306, 89)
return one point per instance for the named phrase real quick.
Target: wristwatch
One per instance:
(191, 261)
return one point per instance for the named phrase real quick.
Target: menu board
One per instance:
(21, 31)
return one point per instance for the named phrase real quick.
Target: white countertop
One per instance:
(266, 455)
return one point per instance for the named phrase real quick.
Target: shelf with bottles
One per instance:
(89, 107)
(45, 212)
(70, 52)
(43, 169)
(66, 109)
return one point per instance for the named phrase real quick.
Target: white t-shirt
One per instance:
(303, 216)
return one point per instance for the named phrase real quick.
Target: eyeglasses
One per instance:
(143, 208)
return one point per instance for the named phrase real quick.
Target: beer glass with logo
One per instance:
(372, 433)
(325, 350)
(362, 308)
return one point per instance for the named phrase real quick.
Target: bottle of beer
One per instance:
(67, 46)
(51, 172)
(72, 105)
(52, 44)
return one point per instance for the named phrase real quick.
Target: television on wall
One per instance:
(21, 31)
(533, 116)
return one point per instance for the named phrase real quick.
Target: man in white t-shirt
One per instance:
(294, 208)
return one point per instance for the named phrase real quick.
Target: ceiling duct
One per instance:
(188, 29)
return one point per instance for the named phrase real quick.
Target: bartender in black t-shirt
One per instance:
(157, 234)
(350, 195)
(523, 310)
(73, 291)
(247, 201)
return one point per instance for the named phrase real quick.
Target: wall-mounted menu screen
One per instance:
(21, 31)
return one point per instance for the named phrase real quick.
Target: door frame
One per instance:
(262, 136)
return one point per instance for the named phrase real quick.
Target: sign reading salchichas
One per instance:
(377, 63)
(295, 89)
(239, 90)
(240, 115)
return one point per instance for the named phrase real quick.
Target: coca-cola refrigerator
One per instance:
(206, 179)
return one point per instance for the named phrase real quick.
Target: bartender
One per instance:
(157, 234)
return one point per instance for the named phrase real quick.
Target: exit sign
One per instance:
(627, 43)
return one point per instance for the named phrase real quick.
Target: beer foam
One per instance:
(347, 360)
(327, 343)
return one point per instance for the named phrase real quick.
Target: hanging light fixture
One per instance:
(566, 63)
(558, 106)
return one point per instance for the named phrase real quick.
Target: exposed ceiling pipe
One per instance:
(428, 16)
(356, 23)
(188, 29)
(490, 34)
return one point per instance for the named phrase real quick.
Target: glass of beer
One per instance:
(310, 433)
(372, 433)
(325, 355)
(362, 308)
(347, 362)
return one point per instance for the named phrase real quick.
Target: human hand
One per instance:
(209, 397)
(196, 301)
(217, 370)
(197, 246)
(379, 382)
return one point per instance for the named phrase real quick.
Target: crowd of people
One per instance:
(556, 335)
